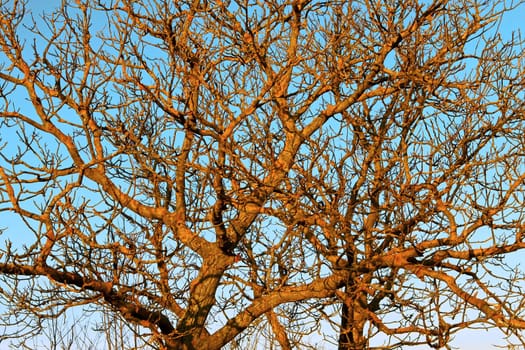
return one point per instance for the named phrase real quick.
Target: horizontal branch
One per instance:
(131, 311)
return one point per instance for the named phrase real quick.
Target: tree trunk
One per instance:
(353, 319)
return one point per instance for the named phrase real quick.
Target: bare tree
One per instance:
(220, 172)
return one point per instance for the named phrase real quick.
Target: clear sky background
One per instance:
(466, 340)
(481, 339)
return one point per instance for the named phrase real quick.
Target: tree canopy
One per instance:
(219, 173)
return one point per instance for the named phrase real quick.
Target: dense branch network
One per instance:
(208, 170)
